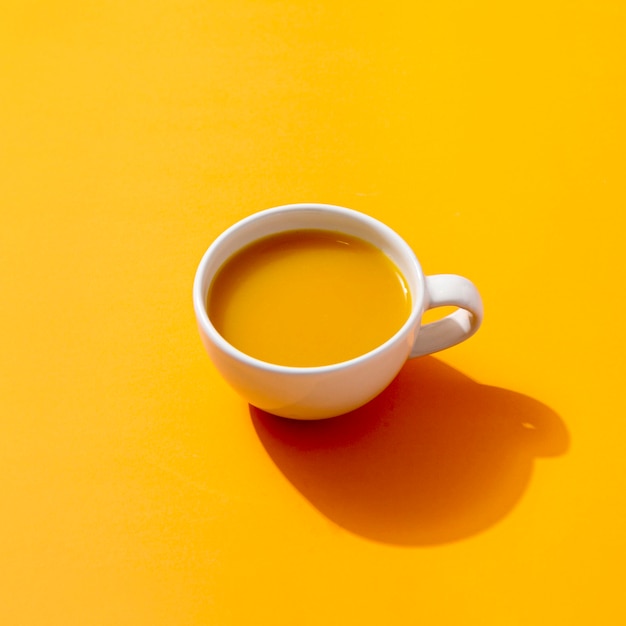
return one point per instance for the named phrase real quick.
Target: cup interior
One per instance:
(306, 216)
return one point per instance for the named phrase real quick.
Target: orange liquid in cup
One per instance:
(308, 298)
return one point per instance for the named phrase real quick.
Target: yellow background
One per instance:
(486, 486)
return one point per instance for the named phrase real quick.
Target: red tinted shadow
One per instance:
(435, 458)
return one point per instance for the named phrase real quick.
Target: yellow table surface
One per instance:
(486, 486)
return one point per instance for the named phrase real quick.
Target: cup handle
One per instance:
(449, 290)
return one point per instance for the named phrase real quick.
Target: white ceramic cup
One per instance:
(329, 390)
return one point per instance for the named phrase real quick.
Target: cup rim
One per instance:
(200, 294)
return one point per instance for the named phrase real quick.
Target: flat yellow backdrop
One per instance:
(486, 486)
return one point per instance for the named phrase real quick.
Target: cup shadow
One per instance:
(436, 458)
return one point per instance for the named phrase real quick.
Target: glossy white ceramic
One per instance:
(321, 392)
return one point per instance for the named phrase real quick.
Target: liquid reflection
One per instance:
(435, 458)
